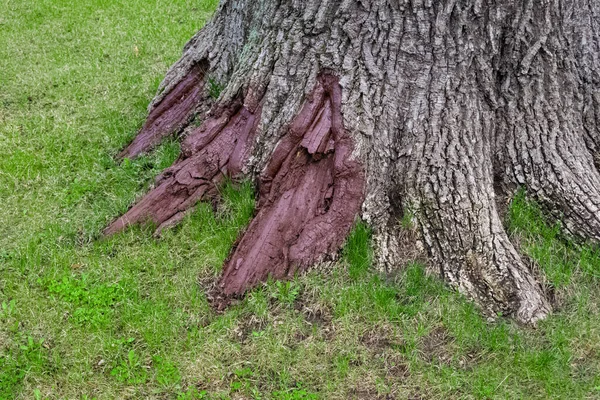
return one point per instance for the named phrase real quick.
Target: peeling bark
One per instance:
(338, 108)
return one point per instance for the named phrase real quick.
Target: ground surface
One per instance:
(82, 318)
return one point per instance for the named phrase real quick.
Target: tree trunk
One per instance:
(347, 109)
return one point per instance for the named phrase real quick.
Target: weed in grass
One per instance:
(93, 303)
(287, 291)
(130, 370)
(29, 356)
(295, 393)
(192, 394)
(167, 373)
(7, 309)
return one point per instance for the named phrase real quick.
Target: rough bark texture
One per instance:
(428, 105)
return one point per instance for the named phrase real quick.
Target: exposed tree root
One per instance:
(548, 119)
(569, 188)
(172, 113)
(215, 150)
(310, 194)
(453, 187)
(477, 257)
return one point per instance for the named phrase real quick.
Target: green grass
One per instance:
(83, 317)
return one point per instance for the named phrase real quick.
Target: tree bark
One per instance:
(346, 109)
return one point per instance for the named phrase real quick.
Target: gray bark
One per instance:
(445, 101)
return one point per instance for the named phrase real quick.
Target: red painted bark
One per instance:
(170, 115)
(309, 193)
(215, 150)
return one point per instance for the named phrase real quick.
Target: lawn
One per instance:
(82, 317)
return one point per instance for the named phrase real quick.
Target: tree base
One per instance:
(436, 103)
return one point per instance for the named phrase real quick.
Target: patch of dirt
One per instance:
(470, 359)
(99, 364)
(206, 283)
(300, 336)
(369, 394)
(297, 339)
(313, 312)
(320, 316)
(416, 396)
(380, 338)
(396, 367)
(317, 315)
(434, 346)
(247, 326)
